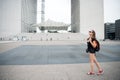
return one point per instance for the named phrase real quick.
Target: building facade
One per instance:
(117, 29)
(16, 16)
(10, 17)
(109, 30)
(87, 15)
(28, 15)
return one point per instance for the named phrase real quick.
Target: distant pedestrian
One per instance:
(93, 46)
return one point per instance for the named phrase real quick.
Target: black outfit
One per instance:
(90, 48)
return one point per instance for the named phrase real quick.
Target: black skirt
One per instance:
(91, 51)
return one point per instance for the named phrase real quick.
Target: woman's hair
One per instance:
(94, 34)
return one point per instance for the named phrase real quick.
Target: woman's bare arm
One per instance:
(94, 44)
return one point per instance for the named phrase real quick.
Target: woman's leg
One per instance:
(100, 70)
(96, 62)
(91, 62)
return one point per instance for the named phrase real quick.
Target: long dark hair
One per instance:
(94, 34)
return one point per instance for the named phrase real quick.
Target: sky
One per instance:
(60, 10)
(57, 10)
(111, 10)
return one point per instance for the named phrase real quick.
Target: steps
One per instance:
(45, 37)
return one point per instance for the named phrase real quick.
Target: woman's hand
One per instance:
(93, 43)
(90, 39)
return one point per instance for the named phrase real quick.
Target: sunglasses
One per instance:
(90, 32)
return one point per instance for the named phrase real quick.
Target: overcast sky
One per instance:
(111, 10)
(57, 10)
(60, 10)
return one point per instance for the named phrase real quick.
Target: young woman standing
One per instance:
(92, 44)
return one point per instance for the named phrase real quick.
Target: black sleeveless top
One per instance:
(90, 48)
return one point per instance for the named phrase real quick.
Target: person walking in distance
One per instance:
(93, 46)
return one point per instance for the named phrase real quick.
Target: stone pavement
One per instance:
(56, 54)
(56, 61)
(58, 72)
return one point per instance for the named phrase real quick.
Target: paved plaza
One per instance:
(55, 54)
(56, 61)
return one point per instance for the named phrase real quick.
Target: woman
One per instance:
(92, 43)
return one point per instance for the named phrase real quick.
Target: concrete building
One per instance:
(16, 16)
(28, 15)
(117, 29)
(87, 15)
(109, 30)
(10, 17)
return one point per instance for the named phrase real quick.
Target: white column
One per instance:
(92, 17)
(75, 15)
(38, 30)
(10, 17)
